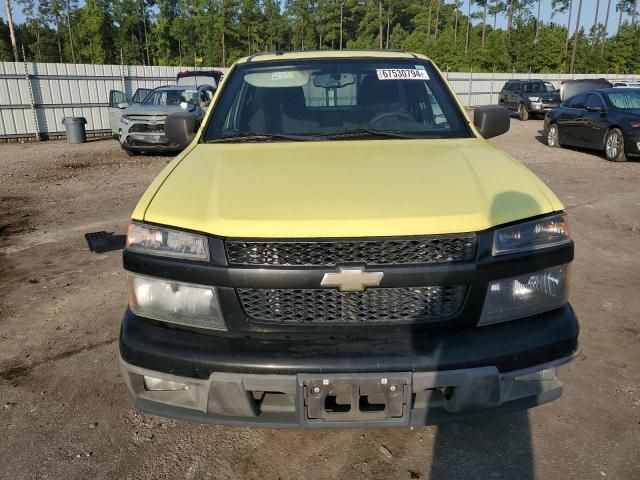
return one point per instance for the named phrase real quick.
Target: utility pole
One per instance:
(12, 33)
(575, 39)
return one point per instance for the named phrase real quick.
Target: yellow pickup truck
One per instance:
(339, 246)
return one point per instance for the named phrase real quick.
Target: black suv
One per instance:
(529, 97)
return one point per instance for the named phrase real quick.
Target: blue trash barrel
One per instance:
(74, 126)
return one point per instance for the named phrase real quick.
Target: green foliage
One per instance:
(181, 32)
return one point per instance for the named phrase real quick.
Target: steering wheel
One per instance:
(399, 115)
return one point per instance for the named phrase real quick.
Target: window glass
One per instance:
(324, 97)
(171, 97)
(539, 87)
(576, 102)
(116, 98)
(594, 100)
(629, 100)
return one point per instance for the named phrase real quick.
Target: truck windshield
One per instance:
(335, 99)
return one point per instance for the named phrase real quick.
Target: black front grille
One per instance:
(147, 128)
(436, 249)
(376, 305)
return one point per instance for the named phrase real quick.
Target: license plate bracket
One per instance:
(355, 398)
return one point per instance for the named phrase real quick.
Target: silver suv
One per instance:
(140, 126)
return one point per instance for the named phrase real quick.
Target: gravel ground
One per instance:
(65, 411)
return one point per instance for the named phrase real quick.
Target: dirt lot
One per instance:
(65, 413)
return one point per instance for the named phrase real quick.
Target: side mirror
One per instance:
(123, 105)
(180, 128)
(491, 121)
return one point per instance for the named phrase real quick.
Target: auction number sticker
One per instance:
(402, 74)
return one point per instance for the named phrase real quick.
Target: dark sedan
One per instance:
(607, 120)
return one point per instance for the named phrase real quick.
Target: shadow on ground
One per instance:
(495, 448)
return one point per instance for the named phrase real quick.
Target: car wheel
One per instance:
(523, 114)
(614, 146)
(553, 136)
(131, 153)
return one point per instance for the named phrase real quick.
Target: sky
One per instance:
(586, 20)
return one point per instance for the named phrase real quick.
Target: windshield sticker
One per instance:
(282, 75)
(402, 74)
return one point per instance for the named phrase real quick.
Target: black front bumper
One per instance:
(483, 366)
(507, 346)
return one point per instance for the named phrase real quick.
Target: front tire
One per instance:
(523, 114)
(553, 136)
(614, 146)
(131, 153)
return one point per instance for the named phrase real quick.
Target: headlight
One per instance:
(534, 99)
(124, 119)
(175, 302)
(166, 242)
(524, 295)
(541, 233)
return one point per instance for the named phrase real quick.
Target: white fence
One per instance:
(477, 89)
(34, 97)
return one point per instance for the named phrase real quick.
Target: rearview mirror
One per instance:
(180, 128)
(491, 121)
(123, 105)
(333, 80)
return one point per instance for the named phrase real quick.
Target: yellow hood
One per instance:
(344, 189)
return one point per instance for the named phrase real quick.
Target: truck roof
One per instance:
(320, 54)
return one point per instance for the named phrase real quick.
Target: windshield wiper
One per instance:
(367, 132)
(255, 136)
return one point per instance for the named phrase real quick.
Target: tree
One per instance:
(575, 39)
(94, 32)
(595, 24)
(496, 9)
(12, 33)
(537, 37)
(604, 31)
(466, 42)
(485, 5)
(53, 11)
(70, 6)
(217, 32)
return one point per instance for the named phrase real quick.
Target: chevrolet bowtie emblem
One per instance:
(352, 279)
